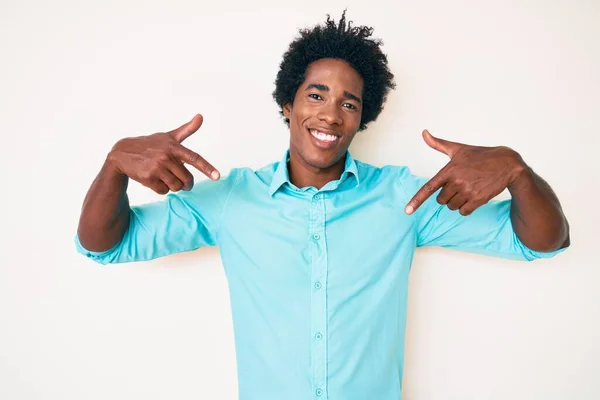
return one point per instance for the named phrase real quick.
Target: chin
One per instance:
(321, 159)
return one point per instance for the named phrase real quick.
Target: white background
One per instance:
(75, 78)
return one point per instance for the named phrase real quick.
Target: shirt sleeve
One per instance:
(488, 230)
(183, 221)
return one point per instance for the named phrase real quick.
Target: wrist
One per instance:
(522, 176)
(111, 166)
(515, 166)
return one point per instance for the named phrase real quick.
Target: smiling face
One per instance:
(325, 115)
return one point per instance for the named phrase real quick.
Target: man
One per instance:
(317, 247)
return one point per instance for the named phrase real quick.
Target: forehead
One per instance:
(337, 74)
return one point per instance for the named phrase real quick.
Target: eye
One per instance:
(350, 106)
(315, 96)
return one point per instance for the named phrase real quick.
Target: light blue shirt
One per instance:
(318, 278)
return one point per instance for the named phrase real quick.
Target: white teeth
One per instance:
(323, 136)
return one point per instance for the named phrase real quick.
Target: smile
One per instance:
(323, 137)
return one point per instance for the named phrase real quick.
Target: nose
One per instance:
(330, 114)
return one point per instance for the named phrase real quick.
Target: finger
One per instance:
(447, 192)
(444, 146)
(186, 130)
(159, 187)
(469, 207)
(474, 203)
(457, 201)
(425, 191)
(191, 157)
(174, 184)
(180, 171)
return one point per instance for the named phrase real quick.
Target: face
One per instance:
(326, 113)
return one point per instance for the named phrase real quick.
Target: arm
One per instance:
(156, 161)
(105, 213)
(536, 214)
(531, 225)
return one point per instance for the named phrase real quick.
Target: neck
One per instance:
(304, 175)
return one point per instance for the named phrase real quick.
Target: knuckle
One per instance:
(146, 176)
(177, 186)
(478, 199)
(193, 157)
(162, 157)
(160, 188)
(154, 167)
(151, 176)
(169, 180)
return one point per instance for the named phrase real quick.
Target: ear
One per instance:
(287, 110)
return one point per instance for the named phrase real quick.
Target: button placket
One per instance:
(318, 247)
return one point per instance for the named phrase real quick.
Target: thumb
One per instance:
(186, 130)
(443, 146)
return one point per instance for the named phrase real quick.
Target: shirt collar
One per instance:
(281, 174)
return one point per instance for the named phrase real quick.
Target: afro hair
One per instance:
(352, 44)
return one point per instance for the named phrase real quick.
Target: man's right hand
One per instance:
(157, 161)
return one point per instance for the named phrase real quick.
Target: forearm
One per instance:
(105, 213)
(536, 214)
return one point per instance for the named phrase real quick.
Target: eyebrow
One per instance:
(325, 88)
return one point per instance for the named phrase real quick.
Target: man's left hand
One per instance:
(473, 176)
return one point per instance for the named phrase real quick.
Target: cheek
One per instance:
(353, 122)
(299, 117)
(296, 126)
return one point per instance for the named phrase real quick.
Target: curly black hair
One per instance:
(343, 41)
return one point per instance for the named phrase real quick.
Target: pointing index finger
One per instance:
(196, 160)
(429, 188)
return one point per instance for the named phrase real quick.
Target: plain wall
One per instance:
(75, 78)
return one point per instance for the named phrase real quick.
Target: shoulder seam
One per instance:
(233, 185)
(408, 197)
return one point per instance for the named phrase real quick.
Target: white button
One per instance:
(316, 236)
